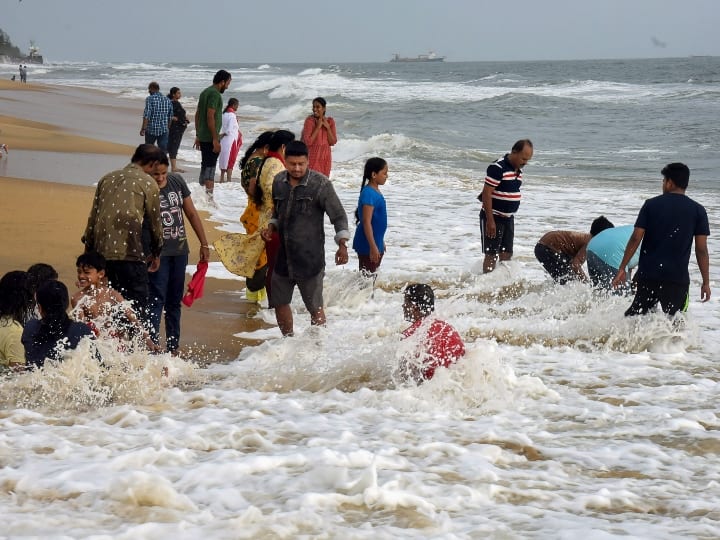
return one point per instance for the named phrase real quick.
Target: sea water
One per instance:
(564, 419)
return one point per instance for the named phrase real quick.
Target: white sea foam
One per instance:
(563, 419)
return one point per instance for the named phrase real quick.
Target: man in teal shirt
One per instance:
(208, 121)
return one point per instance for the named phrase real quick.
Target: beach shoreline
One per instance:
(47, 183)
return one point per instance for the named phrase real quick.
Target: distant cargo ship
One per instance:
(429, 57)
(34, 56)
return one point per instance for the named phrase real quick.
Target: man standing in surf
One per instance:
(208, 121)
(302, 198)
(666, 226)
(500, 200)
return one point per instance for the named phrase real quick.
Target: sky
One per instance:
(334, 31)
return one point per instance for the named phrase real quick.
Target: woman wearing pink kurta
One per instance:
(319, 135)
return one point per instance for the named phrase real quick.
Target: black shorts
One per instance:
(130, 278)
(673, 297)
(209, 157)
(504, 236)
(557, 264)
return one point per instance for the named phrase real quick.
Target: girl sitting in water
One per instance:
(55, 332)
(371, 216)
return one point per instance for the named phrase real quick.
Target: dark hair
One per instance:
(163, 160)
(679, 173)
(262, 141)
(599, 225)
(296, 148)
(232, 102)
(16, 301)
(279, 138)
(174, 90)
(520, 145)
(147, 153)
(321, 101)
(38, 274)
(53, 299)
(372, 165)
(421, 296)
(221, 76)
(154, 87)
(92, 259)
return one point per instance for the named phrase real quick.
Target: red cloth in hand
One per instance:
(196, 285)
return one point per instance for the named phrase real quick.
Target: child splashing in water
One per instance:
(100, 306)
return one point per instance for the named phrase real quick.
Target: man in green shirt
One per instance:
(208, 121)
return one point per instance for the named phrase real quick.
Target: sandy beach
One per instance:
(62, 140)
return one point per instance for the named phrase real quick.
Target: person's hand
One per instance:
(490, 228)
(142, 132)
(374, 254)
(154, 264)
(204, 253)
(216, 146)
(266, 234)
(619, 279)
(196, 144)
(341, 255)
(705, 292)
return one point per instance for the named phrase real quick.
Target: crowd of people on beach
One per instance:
(136, 247)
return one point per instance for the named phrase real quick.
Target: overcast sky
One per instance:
(332, 31)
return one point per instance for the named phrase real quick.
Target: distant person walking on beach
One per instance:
(500, 200)
(563, 253)
(177, 127)
(3, 148)
(167, 285)
(302, 197)
(319, 134)
(122, 200)
(208, 121)
(230, 140)
(23, 73)
(666, 226)
(371, 217)
(156, 118)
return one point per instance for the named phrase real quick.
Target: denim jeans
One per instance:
(167, 286)
(162, 140)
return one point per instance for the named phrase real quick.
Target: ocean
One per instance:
(564, 420)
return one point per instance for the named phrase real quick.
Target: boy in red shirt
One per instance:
(441, 345)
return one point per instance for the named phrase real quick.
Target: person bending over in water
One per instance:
(96, 303)
(441, 345)
(54, 332)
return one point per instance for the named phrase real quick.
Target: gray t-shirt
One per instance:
(171, 217)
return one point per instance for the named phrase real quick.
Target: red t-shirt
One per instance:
(443, 345)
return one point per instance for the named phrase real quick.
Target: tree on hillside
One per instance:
(6, 46)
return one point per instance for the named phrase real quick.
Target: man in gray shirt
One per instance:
(301, 199)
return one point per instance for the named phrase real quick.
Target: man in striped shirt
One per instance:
(500, 200)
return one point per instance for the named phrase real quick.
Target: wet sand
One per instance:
(63, 140)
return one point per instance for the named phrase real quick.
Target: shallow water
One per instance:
(563, 420)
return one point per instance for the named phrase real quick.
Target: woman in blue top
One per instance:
(371, 216)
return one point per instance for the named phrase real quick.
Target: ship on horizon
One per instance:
(429, 57)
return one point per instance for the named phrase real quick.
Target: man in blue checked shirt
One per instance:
(156, 118)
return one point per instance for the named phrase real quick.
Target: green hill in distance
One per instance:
(6, 46)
